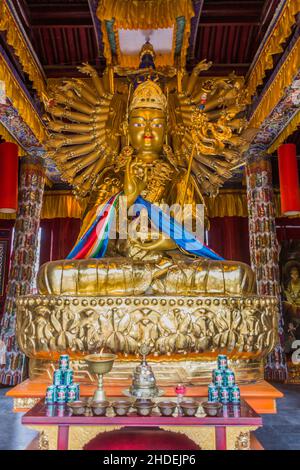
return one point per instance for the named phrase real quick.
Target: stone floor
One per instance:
(13, 436)
(280, 431)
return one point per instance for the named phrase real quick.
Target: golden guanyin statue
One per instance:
(159, 137)
(180, 143)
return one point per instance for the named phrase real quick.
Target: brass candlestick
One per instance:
(100, 364)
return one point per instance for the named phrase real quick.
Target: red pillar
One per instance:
(8, 177)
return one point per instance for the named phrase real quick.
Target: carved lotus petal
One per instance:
(168, 323)
(123, 323)
(131, 344)
(185, 325)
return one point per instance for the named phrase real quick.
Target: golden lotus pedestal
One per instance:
(185, 334)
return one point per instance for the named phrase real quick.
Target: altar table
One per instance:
(58, 429)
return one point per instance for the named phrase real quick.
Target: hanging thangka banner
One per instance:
(290, 282)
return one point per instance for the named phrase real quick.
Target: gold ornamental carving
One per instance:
(25, 403)
(238, 437)
(243, 441)
(203, 436)
(43, 441)
(47, 436)
(244, 327)
(81, 435)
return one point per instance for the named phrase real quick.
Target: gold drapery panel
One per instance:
(56, 204)
(21, 102)
(287, 131)
(144, 14)
(60, 204)
(9, 138)
(233, 203)
(275, 92)
(280, 33)
(228, 203)
(15, 39)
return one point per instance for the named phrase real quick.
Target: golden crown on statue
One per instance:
(148, 95)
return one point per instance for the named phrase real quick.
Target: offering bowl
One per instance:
(211, 409)
(189, 407)
(167, 408)
(121, 407)
(78, 408)
(144, 407)
(99, 407)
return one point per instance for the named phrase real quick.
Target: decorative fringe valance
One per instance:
(229, 203)
(9, 138)
(21, 102)
(144, 14)
(287, 131)
(16, 40)
(280, 33)
(276, 90)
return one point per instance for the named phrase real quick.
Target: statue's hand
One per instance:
(163, 244)
(87, 69)
(203, 65)
(135, 181)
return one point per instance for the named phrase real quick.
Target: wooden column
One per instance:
(22, 266)
(264, 249)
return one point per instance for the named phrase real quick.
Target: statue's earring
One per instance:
(167, 119)
(125, 131)
(127, 135)
(127, 116)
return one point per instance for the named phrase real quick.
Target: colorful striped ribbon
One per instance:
(93, 243)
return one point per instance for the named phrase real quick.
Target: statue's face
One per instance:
(294, 274)
(146, 130)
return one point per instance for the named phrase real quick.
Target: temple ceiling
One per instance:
(227, 33)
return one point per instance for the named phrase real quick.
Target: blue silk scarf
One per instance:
(93, 243)
(183, 238)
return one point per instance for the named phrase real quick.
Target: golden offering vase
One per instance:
(100, 364)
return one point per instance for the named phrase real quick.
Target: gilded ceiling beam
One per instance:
(275, 91)
(20, 100)
(282, 28)
(15, 37)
